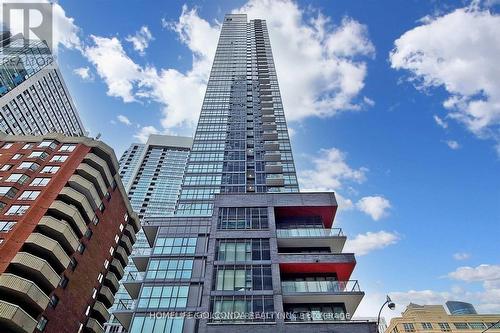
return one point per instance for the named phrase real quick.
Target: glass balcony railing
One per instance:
(134, 276)
(309, 232)
(126, 304)
(320, 286)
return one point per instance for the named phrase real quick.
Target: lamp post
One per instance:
(390, 304)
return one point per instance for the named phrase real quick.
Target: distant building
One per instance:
(33, 96)
(434, 319)
(460, 308)
(152, 176)
(66, 231)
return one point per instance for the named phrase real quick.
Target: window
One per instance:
(6, 226)
(17, 210)
(169, 269)
(67, 148)
(7, 145)
(88, 233)
(73, 263)
(81, 248)
(17, 178)
(17, 156)
(146, 323)
(162, 297)
(241, 278)
(42, 323)
(445, 327)
(243, 249)
(50, 169)
(59, 158)
(242, 218)
(63, 282)
(409, 327)
(48, 143)
(477, 325)
(29, 195)
(38, 154)
(28, 146)
(234, 308)
(427, 326)
(95, 220)
(28, 166)
(53, 301)
(39, 181)
(100, 277)
(6, 167)
(461, 326)
(8, 191)
(175, 245)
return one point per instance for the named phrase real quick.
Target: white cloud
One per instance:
(124, 120)
(440, 122)
(329, 171)
(84, 73)
(321, 67)
(363, 244)
(141, 39)
(473, 274)
(461, 256)
(114, 66)
(453, 144)
(375, 206)
(144, 132)
(458, 51)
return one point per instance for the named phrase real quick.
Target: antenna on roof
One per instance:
(98, 136)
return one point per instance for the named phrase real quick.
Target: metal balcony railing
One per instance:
(320, 286)
(134, 276)
(126, 304)
(309, 232)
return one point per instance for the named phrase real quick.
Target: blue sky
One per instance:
(396, 107)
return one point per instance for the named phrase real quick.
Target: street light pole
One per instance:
(391, 306)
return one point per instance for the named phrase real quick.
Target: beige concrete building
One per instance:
(434, 318)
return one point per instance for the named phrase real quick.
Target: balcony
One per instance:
(23, 291)
(99, 164)
(267, 111)
(133, 283)
(59, 230)
(15, 318)
(91, 174)
(47, 248)
(269, 126)
(273, 167)
(129, 230)
(124, 312)
(106, 296)
(275, 180)
(271, 145)
(340, 263)
(94, 326)
(76, 198)
(111, 281)
(100, 312)
(38, 270)
(121, 255)
(272, 157)
(126, 243)
(345, 292)
(87, 188)
(312, 237)
(117, 268)
(71, 214)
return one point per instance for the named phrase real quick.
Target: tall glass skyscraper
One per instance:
(33, 96)
(152, 175)
(244, 251)
(241, 142)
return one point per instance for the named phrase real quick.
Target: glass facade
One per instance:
(152, 175)
(241, 142)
